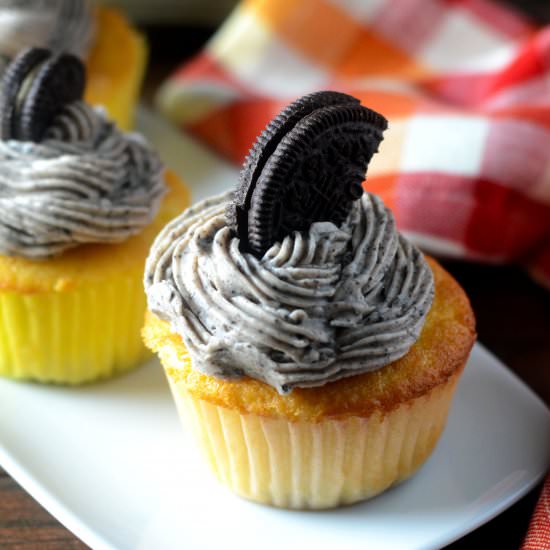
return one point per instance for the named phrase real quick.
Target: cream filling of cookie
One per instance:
(59, 25)
(85, 182)
(321, 305)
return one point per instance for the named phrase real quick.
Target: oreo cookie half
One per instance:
(265, 145)
(12, 79)
(308, 165)
(35, 87)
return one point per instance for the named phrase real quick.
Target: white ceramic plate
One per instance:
(112, 464)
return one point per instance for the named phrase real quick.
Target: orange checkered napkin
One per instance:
(465, 84)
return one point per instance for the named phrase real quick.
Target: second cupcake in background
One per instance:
(114, 52)
(80, 202)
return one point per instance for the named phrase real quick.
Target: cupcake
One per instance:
(81, 203)
(310, 347)
(114, 52)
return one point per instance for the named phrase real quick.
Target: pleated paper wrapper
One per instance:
(315, 465)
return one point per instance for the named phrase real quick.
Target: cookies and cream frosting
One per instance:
(84, 182)
(321, 305)
(59, 25)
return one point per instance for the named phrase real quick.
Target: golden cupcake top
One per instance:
(439, 353)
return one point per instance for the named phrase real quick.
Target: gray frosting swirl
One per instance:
(59, 25)
(317, 307)
(85, 182)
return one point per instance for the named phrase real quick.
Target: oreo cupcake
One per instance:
(115, 53)
(310, 347)
(81, 203)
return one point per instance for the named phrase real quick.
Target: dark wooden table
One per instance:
(513, 319)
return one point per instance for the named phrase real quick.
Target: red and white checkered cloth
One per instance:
(465, 84)
(538, 536)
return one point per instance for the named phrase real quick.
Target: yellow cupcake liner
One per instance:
(309, 465)
(74, 336)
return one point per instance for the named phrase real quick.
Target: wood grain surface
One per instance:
(513, 319)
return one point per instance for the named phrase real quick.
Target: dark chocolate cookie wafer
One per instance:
(59, 81)
(267, 142)
(12, 79)
(312, 173)
(35, 88)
